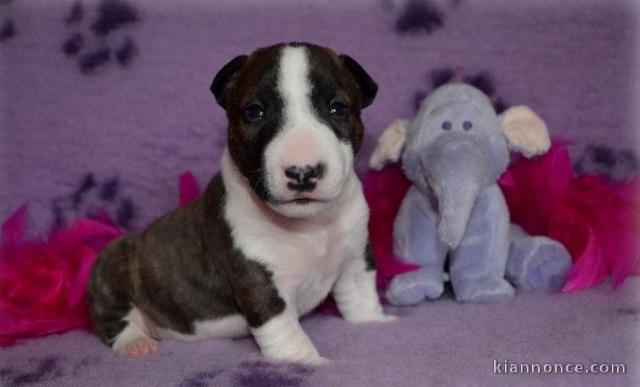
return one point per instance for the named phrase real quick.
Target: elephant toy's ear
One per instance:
(390, 145)
(525, 131)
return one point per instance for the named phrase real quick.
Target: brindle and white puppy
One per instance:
(279, 228)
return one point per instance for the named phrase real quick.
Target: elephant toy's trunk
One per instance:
(456, 171)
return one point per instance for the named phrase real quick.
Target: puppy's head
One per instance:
(294, 122)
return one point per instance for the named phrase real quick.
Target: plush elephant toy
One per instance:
(454, 151)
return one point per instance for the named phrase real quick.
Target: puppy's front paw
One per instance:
(378, 317)
(387, 318)
(384, 318)
(316, 361)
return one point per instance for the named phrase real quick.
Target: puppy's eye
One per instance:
(254, 112)
(446, 125)
(467, 125)
(338, 110)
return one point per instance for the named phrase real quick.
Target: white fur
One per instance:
(356, 296)
(140, 327)
(305, 255)
(310, 248)
(303, 140)
(136, 329)
(308, 257)
(225, 327)
(282, 338)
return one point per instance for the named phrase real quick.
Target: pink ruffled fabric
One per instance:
(43, 281)
(384, 191)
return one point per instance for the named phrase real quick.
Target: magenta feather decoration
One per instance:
(596, 219)
(384, 191)
(189, 188)
(43, 280)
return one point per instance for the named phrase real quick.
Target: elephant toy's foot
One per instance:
(491, 290)
(538, 263)
(413, 287)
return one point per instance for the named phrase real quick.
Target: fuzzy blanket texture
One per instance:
(103, 104)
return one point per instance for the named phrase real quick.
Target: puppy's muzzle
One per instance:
(304, 178)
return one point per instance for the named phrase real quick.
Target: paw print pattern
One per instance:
(419, 16)
(104, 42)
(95, 200)
(264, 374)
(617, 164)
(76, 14)
(39, 371)
(482, 81)
(7, 25)
(200, 379)
(7, 30)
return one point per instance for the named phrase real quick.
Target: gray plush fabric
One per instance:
(454, 152)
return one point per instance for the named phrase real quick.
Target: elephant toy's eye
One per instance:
(467, 125)
(446, 125)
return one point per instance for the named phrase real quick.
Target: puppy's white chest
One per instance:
(305, 263)
(305, 257)
(320, 264)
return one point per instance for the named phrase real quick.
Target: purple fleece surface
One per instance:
(434, 344)
(106, 103)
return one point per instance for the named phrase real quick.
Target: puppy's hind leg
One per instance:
(113, 316)
(134, 340)
(120, 325)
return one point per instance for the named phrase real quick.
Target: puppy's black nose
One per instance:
(304, 178)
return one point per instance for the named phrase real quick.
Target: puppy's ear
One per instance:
(367, 86)
(225, 77)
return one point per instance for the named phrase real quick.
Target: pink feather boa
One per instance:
(597, 220)
(43, 281)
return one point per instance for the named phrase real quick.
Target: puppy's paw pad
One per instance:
(139, 348)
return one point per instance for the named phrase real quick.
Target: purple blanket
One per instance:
(103, 104)
(441, 343)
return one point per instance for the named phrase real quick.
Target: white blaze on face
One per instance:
(303, 140)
